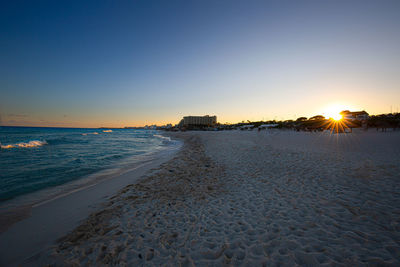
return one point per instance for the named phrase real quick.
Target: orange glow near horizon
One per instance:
(230, 115)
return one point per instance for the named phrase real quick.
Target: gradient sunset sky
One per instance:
(131, 63)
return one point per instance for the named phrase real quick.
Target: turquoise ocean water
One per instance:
(34, 159)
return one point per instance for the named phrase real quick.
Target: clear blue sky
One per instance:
(123, 63)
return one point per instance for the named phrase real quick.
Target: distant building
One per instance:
(198, 121)
(354, 115)
(151, 127)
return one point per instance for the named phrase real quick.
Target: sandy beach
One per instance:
(252, 198)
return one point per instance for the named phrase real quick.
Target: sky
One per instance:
(132, 63)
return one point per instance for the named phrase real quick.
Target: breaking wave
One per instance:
(33, 143)
(90, 133)
(166, 138)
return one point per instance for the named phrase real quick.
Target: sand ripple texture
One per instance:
(250, 199)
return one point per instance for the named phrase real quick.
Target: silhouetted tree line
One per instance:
(384, 121)
(320, 123)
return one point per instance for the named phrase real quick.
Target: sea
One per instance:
(37, 162)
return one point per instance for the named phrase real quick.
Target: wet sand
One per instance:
(253, 198)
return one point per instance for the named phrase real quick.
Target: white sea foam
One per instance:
(107, 131)
(90, 133)
(33, 143)
(163, 137)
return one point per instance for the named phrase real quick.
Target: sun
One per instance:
(333, 112)
(336, 123)
(336, 117)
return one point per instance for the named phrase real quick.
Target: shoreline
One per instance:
(38, 225)
(11, 211)
(190, 177)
